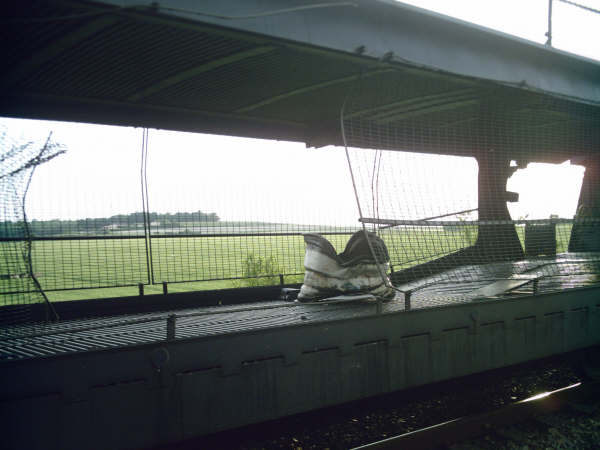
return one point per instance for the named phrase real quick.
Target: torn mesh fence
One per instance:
(18, 280)
(431, 174)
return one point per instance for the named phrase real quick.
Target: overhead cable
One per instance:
(578, 5)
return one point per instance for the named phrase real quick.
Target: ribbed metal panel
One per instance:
(125, 58)
(97, 66)
(34, 340)
(252, 80)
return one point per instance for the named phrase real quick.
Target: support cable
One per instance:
(145, 205)
(148, 210)
(384, 277)
(578, 5)
(549, 32)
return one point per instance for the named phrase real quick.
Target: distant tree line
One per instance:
(106, 225)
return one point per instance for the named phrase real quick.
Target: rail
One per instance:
(464, 428)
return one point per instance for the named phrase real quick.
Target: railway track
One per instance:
(583, 397)
(433, 416)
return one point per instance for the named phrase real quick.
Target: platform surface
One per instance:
(490, 282)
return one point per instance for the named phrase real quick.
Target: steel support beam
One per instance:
(195, 71)
(415, 103)
(434, 108)
(45, 107)
(311, 88)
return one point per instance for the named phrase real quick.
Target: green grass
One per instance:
(216, 262)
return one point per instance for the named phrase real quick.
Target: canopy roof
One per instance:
(283, 69)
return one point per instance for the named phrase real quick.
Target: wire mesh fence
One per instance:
(212, 226)
(441, 169)
(19, 159)
(450, 219)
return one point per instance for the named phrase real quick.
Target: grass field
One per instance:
(100, 268)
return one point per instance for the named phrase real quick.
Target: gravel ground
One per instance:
(370, 420)
(567, 429)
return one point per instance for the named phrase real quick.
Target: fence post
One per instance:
(549, 32)
(407, 296)
(171, 323)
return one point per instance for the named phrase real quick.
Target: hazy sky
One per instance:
(573, 29)
(244, 179)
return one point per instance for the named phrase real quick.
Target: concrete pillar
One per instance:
(496, 242)
(585, 234)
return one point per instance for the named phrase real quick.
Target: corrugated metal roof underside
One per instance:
(126, 59)
(104, 67)
(96, 66)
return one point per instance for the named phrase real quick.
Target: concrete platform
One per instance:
(136, 381)
(466, 284)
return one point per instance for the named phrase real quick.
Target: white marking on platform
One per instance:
(343, 299)
(502, 286)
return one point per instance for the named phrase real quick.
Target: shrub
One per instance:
(259, 271)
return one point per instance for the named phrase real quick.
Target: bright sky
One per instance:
(279, 181)
(574, 30)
